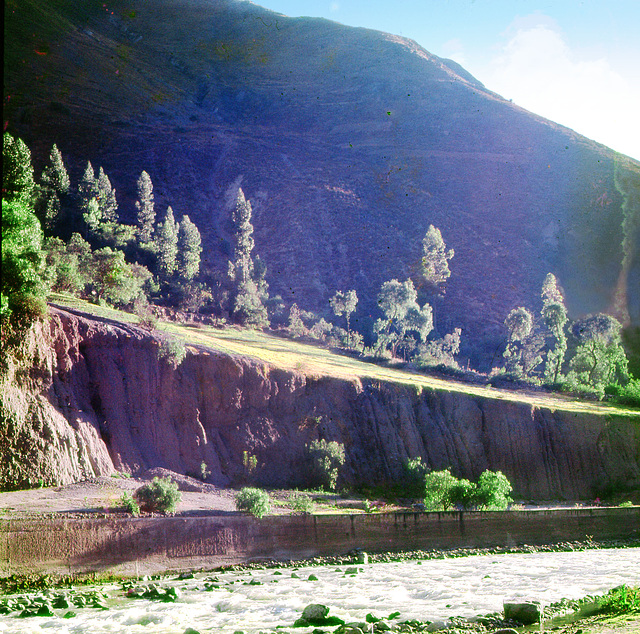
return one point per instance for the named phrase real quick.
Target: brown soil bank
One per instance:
(99, 399)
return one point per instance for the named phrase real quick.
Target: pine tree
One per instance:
(92, 215)
(54, 175)
(145, 206)
(88, 187)
(54, 186)
(189, 249)
(88, 202)
(250, 287)
(17, 172)
(106, 197)
(166, 238)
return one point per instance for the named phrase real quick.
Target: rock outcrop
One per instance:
(99, 399)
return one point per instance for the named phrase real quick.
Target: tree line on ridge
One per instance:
(64, 238)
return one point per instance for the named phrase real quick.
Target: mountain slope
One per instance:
(349, 142)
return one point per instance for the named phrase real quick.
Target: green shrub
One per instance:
(414, 473)
(326, 460)
(144, 312)
(129, 504)
(438, 486)
(204, 472)
(254, 501)
(620, 600)
(160, 495)
(492, 491)
(173, 351)
(462, 494)
(301, 502)
(628, 394)
(443, 491)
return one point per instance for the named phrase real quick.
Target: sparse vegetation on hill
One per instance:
(348, 190)
(159, 263)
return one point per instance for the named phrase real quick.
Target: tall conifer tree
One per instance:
(250, 286)
(54, 187)
(166, 238)
(189, 249)
(88, 187)
(17, 171)
(145, 206)
(106, 196)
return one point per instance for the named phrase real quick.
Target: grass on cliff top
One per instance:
(316, 361)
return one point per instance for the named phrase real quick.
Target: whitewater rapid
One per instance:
(434, 590)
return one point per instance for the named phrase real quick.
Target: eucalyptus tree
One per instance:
(435, 259)
(344, 303)
(554, 316)
(599, 358)
(522, 352)
(402, 315)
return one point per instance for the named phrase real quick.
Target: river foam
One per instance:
(433, 590)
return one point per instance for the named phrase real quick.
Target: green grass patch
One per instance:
(317, 361)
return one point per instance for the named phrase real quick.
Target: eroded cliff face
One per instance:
(99, 400)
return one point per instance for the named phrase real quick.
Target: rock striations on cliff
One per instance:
(98, 399)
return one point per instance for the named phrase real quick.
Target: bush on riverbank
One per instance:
(161, 495)
(443, 491)
(129, 504)
(326, 460)
(620, 600)
(254, 501)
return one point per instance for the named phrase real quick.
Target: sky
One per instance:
(576, 62)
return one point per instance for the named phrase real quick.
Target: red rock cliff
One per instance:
(99, 399)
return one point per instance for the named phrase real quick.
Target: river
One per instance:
(434, 590)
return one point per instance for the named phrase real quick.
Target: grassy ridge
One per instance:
(318, 361)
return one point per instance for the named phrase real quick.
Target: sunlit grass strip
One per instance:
(316, 361)
(105, 312)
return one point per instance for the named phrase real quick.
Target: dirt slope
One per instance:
(98, 398)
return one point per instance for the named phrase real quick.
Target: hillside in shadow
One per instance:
(349, 143)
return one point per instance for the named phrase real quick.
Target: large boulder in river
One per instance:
(525, 613)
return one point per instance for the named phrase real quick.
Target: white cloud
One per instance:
(334, 7)
(539, 71)
(454, 49)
